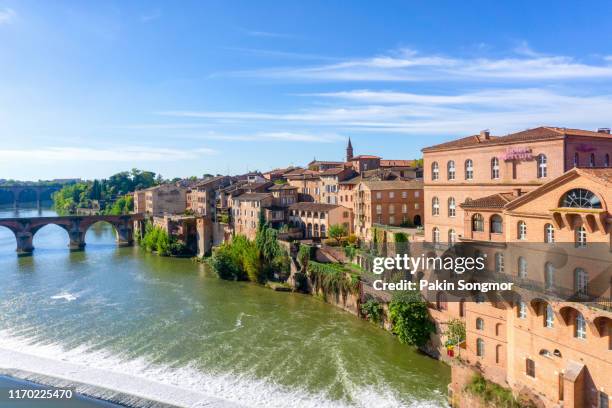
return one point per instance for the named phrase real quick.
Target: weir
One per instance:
(76, 226)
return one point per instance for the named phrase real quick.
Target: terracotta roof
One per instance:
(498, 200)
(313, 206)
(252, 196)
(394, 184)
(602, 173)
(333, 163)
(539, 133)
(282, 187)
(398, 163)
(332, 172)
(364, 156)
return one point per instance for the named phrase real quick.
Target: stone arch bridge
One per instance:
(40, 191)
(76, 226)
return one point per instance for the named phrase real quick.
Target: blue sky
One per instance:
(185, 88)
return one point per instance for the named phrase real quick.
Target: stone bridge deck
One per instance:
(76, 226)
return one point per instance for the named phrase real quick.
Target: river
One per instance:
(169, 330)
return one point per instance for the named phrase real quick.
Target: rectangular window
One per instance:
(378, 195)
(404, 194)
(391, 209)
(416, 206)
(417, 194)
(391, 194)
(378, 209)
(404, 208)
(391, 219)
(530, 367)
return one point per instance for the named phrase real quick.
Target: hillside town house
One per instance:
(518, 200)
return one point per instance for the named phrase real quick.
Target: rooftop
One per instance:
(252, 196)
(277, 187)
(491, 201)
(313, 206)
(539, 133)
(394, 184)
(364, 156)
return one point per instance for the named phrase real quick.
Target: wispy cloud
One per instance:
(150, 15)
(268, 34)
(411, 113)
(410, 65)
(120, 154)
(279, 137)
(7, 16)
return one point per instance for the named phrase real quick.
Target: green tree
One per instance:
(409, 316)
(337, 231)
(455, 332)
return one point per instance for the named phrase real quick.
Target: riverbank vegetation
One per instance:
(495, 395)
(108, 196)
(409, 316)
(257, 261)
(157, 240)
(332, 278)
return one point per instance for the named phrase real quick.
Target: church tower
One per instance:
(349, 150)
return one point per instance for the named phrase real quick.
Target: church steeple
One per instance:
(349, 150)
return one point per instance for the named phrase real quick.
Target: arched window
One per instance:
(580, 237)
(549, 276)
(581, 283)
(435, 206)
(469, 169)
(435, 171)
(592, 160)
(580, 198)
(479, 324)
(549, 317)
(522, 267)
(580, 327)
(452, 236)
(495, 168)
(549, 234)
(521, 230)
(480, 348)
(497, 224)
(435, 233)
(323, 232)
(542, 163)
(607, 160)
(477, 223)
(499, 262)
(450, 169)
(316, 230)
(576, 159)
(452, 208)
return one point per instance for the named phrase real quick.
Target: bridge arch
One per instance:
(98, 234)
(28, 195)
(7, 235)
(50, 236)
(7, 196)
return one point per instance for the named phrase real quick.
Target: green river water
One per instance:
(123, 312)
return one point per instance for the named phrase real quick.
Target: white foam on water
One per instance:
(185, 386)
(67, 296)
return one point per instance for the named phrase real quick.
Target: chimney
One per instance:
(484, 134)
(603, 130)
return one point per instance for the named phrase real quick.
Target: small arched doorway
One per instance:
(417, 220)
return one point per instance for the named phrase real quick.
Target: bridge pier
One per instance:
(24, 243)
(125, 234)
(77, 240)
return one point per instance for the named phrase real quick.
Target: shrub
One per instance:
(352, 239)
(333, 278)
(493, 394)
(372, 310)
(409, 316)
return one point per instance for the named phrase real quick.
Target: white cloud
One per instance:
(409, 65)
(150, 15)
(378, 112)
(120, 154)
(279, 137)
(7, 16)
